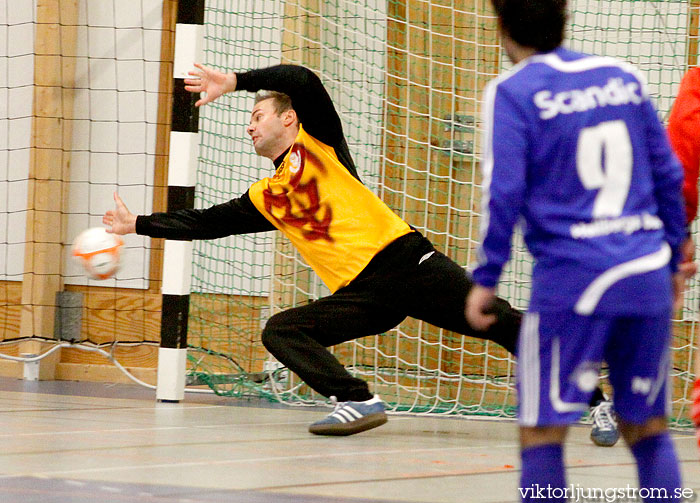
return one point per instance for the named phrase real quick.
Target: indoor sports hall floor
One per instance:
(65, 442)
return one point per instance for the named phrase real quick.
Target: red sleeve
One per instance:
(684, 133)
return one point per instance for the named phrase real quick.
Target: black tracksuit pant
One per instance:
(408, 278)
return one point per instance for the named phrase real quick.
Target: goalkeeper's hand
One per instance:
(686, 270)
(211, 82)
(119, 220)
(478, 306)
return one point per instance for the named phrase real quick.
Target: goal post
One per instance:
(406, 77)
(88, 89)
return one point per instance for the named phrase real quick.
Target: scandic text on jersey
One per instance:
(614, 93)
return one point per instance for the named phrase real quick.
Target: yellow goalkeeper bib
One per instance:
(337, 224)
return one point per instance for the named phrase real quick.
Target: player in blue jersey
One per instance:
(574, 151)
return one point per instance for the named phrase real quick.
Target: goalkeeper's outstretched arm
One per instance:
(237, 216)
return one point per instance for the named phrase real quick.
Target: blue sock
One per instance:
(542, 477)
(657, 466)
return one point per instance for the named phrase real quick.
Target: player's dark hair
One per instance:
(282, 101)
(538, 24)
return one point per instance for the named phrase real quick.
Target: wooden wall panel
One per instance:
(693, 33)
(229, 325)
(10, 309)
(119, 314)
(160, 179)
(54, 81)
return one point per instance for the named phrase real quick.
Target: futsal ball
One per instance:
(98, 252)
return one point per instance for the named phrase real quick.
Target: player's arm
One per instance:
(237, 216)
(683, 124)
(682, 129)
(503, 166)
(667, 178)
(310, 99)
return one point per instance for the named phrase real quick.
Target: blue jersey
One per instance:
(574, 149)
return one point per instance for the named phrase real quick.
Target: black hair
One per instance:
(538, 24)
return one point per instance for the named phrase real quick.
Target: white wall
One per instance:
(16, 95)
(114, 126)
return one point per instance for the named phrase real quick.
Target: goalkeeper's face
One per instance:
(272, 132)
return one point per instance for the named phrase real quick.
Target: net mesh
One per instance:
(407, 79)
(80, 89)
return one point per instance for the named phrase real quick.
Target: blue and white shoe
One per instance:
(604, 432)
(349, 418)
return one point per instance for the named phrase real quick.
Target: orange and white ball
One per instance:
(98, 252)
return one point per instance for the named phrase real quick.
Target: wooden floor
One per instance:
(66, 442)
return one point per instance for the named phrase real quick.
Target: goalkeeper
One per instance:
(379, 269)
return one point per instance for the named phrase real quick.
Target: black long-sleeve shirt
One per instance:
(314, 109)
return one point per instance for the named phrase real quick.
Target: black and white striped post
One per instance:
(182, 164)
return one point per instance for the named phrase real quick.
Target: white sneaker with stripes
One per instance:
(349, 418)
(604, 432)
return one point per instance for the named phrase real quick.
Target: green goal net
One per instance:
(407, 78)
